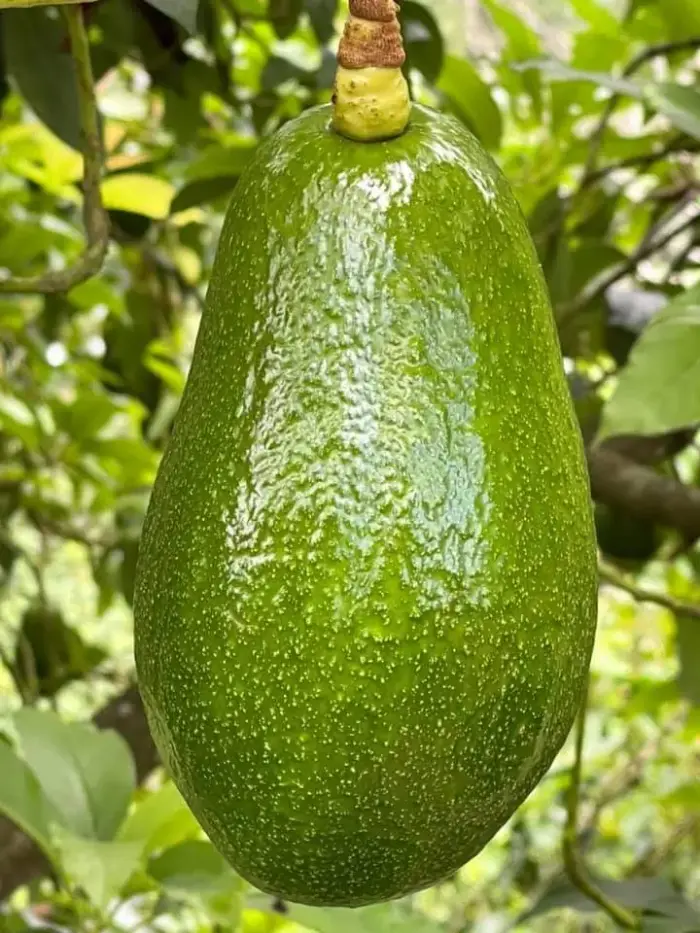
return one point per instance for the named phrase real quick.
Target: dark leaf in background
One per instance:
(284, 15)
(183, 12)
(50, 654)
(422, 39)
(38, 58)
(204, 191)
(688, 645)
(279, 70)
(321, 14)
(4, 83)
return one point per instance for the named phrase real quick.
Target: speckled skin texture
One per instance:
(366, 596)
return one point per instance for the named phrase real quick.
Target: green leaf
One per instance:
(321, 14)
(596, 15)
(522, 41)
(688, 645)
(183, 12)
(521, 44)
(680, 104)
(219, 161)
(682, 18)
(652, 895)
(193, 867)
(659, 388)
(470, 98)
(101, 869)
(284, 15)
(560, 71)
(146, 195)
(203, 192)
(87, 775)
(22, 799)
(38, 58)
(159, 821)
(422, 39)
(49, 654)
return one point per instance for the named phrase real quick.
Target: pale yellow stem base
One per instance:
(370, 103)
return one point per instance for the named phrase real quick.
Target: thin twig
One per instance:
(646, 55)
(573, 860)
(95, 217)
(677, 146)
(612, 576)
(601, 283)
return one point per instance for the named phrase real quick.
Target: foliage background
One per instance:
(592, 109)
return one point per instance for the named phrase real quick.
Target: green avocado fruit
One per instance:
(366, 592)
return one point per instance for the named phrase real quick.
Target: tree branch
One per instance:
(638, 62)
(612, 576)
(601, 283)
(617, 481)
(573, 860)
(677, 146)
(94, 215)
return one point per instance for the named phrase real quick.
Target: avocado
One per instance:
(366, 592)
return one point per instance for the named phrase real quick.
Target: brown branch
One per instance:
(617, 481)
(94, 215)
(612, 576)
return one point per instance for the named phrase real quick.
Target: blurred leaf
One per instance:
(422, 39)
(597, 15)
(18, 420)
(657, 391)
(680, 104)
(688, 643)
(471, 99)
(560, 71)
(101, 869)
(193, 866)
(652, 895)
(202, 192)
(218, 161)
(521, 44)
(87, 775)
(50, 654)
(279, 70)
(284, 15)
(38, 58)
(86, 416)
(321, 14)
(21, 798)
(183, 12)
(160, 820)
(139, 194)
(682, 17)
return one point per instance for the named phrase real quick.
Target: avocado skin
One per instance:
(366, 593)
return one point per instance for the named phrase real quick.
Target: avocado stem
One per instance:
(371, 98)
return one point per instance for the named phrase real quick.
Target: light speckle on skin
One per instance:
(366, 594)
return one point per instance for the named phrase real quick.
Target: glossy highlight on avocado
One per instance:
(366, 593)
